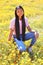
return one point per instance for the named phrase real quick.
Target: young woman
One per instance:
(18, 27)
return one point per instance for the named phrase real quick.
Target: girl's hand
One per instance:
(10, 35)
(33, 31)
(36, 34)
(9, 39)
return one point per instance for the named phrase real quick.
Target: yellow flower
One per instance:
(5, 57)
(39, 60)
(12, 64)
(2, 48)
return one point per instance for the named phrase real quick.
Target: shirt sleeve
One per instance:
(12, 24)
(26, 21)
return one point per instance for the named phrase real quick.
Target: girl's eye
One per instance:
(18, 11)
(21, 10)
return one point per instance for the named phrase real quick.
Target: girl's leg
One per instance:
(32, 36)
(21, 46)
(28, 36)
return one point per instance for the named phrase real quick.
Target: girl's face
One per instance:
(19, 12)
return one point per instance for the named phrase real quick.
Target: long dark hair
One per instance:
(17, 28)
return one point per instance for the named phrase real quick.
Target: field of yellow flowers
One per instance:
(8, 50)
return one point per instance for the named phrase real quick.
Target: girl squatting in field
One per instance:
(18, 27)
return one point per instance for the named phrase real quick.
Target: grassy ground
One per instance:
(8, 50)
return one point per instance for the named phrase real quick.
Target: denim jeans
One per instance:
(20, 44)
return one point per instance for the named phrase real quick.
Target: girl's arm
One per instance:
(10, 34)
(29, 29)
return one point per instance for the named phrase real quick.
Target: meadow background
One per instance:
(8, 50)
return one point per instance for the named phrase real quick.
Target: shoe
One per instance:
(31, 54)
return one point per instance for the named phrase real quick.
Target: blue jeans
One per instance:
(21, 46)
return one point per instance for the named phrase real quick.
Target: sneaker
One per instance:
(31, 54)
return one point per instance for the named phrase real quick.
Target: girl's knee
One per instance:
(36, 35)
